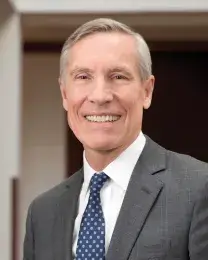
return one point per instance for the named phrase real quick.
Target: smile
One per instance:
(102, 119)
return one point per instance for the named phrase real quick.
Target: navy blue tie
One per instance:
(91, 240)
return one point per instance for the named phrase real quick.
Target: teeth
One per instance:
(101, 119)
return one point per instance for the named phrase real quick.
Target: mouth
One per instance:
(102, 118)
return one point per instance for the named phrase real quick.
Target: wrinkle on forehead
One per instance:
(104, 50)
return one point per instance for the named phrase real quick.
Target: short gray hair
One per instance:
(108, 25)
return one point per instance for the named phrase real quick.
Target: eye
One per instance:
(119, 77)
(82, 77)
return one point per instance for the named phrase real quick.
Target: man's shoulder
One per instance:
(51, 197)
(182, 169)
(186, 162)
(187, 172)
(175, 160)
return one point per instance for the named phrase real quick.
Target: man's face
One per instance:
(103, 93)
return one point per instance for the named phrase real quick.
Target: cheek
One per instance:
(134, 109)
(73, 120)
(72, 113)
(72, 110)
(133, 101)
(75, 103)
(75, 98)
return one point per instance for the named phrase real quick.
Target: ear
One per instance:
(63, 94)
(148, 91)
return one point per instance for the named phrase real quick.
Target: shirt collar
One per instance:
(121, 168)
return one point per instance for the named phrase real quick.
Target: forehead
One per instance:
(104, 48)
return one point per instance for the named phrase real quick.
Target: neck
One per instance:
(100, 159)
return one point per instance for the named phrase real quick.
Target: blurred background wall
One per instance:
(43, 131)
(42, 150)
(10, 119)
(108, 5)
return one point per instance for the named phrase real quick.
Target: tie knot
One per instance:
(97, 181)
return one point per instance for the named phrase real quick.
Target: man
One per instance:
(133, 199)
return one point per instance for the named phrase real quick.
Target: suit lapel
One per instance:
(143, 190)
(66, 209)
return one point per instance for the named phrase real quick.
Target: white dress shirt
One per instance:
(113, 191)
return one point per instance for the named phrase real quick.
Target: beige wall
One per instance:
(10, 90)
(5, 217)
(43, 133)
(109, 5)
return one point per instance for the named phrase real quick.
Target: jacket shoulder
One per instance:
(187, 173)
(186, 162)
(50, 197)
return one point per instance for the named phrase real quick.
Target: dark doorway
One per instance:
(178, 117)
(179, 112)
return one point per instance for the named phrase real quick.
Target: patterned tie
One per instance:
(91, 240)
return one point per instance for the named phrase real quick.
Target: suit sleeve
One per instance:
(198, 236)
(28, 248)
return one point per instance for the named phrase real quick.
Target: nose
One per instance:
(101, 93)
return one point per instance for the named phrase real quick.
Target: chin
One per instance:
(101, 145)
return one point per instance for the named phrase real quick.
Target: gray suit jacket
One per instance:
(164, 214)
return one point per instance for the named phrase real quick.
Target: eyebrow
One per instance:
(122, 69)
(80, 69)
